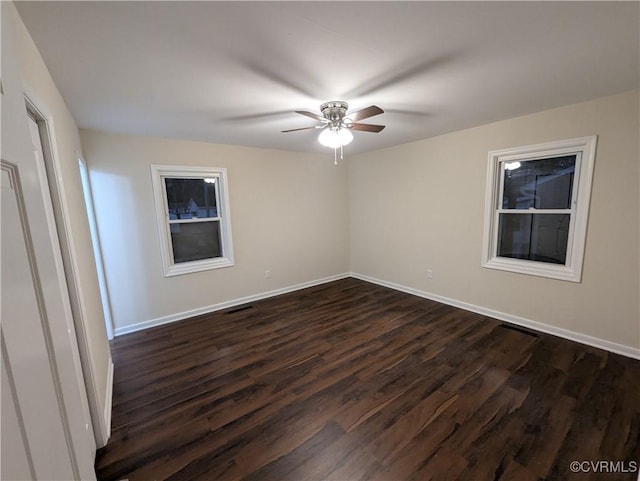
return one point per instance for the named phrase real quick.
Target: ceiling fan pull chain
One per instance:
(335, 156)
(341, 156)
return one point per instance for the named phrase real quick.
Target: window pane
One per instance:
(535, 237)
(189, 198)
(194, 241)
(542, 184)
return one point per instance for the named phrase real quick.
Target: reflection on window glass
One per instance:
(541, 184)
(534, 237)
(191, 198)
(195, 240)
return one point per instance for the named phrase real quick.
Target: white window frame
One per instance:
(158, 174)
(585, 149)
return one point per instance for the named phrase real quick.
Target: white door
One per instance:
(31, 402)
(45, 429)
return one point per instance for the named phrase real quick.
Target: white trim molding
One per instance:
(59, 220)
(224, 305)
(616, 348)
(108, 403)
(621, 349)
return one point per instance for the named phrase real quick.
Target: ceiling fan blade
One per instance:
(312, 115)
(367, 127)
(303, 128)
(365, 113)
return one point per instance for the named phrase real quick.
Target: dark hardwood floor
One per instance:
(352, 381)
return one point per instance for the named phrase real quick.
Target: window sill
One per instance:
(533, 268)
(196, 266)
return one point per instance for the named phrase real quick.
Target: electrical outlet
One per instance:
(429, 274)
(267, 274)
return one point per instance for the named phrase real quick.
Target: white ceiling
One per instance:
(234, 72)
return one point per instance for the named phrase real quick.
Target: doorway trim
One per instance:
(100, 420)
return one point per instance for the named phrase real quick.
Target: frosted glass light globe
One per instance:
(335, 138)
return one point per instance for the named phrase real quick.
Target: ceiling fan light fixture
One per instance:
(345, 136)
(335, 138)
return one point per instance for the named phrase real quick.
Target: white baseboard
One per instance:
(223, 305)
(108, 403)
(621, 349)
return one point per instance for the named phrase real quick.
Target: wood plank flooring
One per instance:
(352, 381)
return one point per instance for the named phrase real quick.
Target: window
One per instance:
(192, 207)
(537, 207)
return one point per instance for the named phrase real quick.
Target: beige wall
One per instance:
(410, 208)
(420, 206)
(74, 233)
(289, 214)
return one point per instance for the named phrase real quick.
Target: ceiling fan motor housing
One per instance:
(334, 118)
(335, 110)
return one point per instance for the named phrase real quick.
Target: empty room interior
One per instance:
(313, 241)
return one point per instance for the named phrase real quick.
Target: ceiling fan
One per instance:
(337, 126)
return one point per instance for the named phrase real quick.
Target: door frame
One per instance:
(101, 421)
